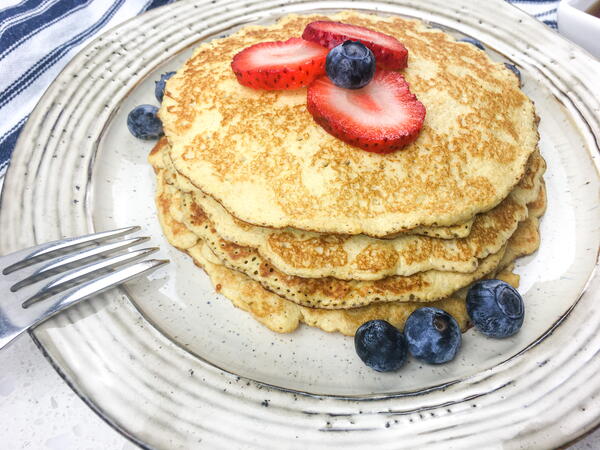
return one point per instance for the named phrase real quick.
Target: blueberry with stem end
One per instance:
(433, 335)
(350, 65)
(495, 308)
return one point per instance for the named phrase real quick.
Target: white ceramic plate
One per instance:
(171, 364)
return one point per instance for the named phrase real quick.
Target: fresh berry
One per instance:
(433, 336)
(389, 51)
(514, 70)
(290, 64)
(159, 86)
(380, 346)
(495, 308)
(381, 117)
(472, 41)
(143, 122)
(350, 65)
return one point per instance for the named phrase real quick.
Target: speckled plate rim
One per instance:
(188, 399)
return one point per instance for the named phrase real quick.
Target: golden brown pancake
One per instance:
(262, 156)
(283, 316)
(359, 257)
(326, 293)
(458, 230)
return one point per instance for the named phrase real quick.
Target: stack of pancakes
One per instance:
(293, 225)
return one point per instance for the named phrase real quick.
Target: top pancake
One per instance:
(263, 157)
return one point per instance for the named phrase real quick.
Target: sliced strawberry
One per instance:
(290, 64)
(389, 51)
(381, 117)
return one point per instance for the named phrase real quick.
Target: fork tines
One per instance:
(95, 261)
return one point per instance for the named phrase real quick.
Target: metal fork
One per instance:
(39, 282)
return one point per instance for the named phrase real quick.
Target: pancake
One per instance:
(262, 156)
(175, 231)
(459, 230)
(359, 257)
(328, 293)
(525, 242)
(283, 316)
(286, 249)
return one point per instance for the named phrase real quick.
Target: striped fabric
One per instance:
(544, 10)
(39, 37)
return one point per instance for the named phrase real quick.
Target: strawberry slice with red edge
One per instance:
(381, 117)
(389, 52)
(290, 64)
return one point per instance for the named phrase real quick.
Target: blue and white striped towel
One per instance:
(39, 37)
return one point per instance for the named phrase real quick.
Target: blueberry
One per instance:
(433, 336)
(143, 122)
(159, 86)
(380, 345)
(514, 69)
(475, 42)
(495, 308)
(350, 65)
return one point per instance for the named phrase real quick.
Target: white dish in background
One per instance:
(579, 26)
(170, 363)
